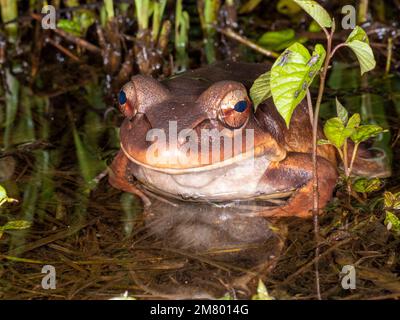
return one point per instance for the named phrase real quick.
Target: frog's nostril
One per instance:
(122, 97)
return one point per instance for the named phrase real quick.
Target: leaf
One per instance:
(314, 27)
(365, 132)
(291, 76)
(336, 132)
(392, 222)
(287, 7)
(322, 142)
(316, 11)
(260, 91)
(391, 200)
(358, 42)
(277, 40)
(249, 6)
(3, 196)
(70, 26)
(262, 292)
(16, 225)
(354, 121)
(359, 34)
(3, 192)
(79, 24)
(364, 185)
(341, 112)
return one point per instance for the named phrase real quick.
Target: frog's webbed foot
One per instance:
(296, 171)
(118, 179)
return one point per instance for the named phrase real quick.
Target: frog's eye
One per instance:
(139, 94)
(235, 108)
(127, 100)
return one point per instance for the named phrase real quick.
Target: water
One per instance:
(57, 144)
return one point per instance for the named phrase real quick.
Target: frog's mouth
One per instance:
(256, 152)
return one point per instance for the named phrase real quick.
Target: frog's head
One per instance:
(191, 125)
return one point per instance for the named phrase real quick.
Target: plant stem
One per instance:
(353, 157)
(389, 56)
(310, 107)
(314, 155)
(346, 171)
(336, 48)
(109, 7)
(345, 159)
(363, 11)
(9, 12)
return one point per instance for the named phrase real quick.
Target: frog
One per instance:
(270, 161)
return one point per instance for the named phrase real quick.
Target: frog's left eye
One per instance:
(235, 108)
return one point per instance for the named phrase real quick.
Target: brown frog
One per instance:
(268, 159)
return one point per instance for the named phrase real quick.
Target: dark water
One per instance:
(55, 147)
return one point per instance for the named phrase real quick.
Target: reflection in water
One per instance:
(48, 161)
(211, 250)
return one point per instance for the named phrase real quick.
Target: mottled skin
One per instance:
(193, 100)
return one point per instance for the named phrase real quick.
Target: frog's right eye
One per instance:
(139, 94)
(127, 100)
(122, 97)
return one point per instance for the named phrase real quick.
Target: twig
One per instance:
(233, 35)
(76, 40)
(44, 241)
(313, 261)
(63, 50)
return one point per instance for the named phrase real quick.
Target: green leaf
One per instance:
(354, 121)
(85, 18)
(260, 91)
(358, 42)
(322, 142)
(291, 76)
(16, 225)
(262, 292)
(392, 201)
(314, 27)
(316, 11)
(287, 7)
(392, 222)
(365, 132)
(336, 132)
(364, 185)
(71, 26)
(341, 112)
(277, 40)
(3, 196)
(249, 6)
(78, 26)
(359, 34)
